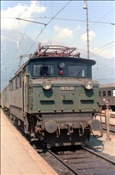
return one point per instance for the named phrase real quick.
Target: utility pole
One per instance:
(107, 120)
(87, 26)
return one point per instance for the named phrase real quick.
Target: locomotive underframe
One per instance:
(66, 138)
(59, 129)
(64, 129)
(71, 129)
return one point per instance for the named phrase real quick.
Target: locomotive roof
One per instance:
(79, 59)
(107, 85)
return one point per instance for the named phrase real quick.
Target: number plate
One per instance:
(66, 88)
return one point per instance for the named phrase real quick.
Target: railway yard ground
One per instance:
(103, 145)
(19, 157)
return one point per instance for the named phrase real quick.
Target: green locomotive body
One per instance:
(54, 97)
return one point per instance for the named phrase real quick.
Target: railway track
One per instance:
(82, 161)
(112, 114)
(111, 127)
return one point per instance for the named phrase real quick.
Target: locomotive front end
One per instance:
(64, 109)
(62, 99)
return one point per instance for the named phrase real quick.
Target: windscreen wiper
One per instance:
(78, 74)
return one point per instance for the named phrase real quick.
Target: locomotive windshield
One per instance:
(43, 70)
(77, 71)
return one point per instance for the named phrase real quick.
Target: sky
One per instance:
(64, 23)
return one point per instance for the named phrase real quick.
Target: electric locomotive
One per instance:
(54, 97)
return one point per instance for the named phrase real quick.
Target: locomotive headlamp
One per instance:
(61, 65)
(46, 85)
(88, 85)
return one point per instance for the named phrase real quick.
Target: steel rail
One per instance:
(63, 163)
(99, 155)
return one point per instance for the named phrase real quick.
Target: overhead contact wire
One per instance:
(47, 25)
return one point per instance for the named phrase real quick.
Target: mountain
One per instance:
(14, 44)
(104, 70)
